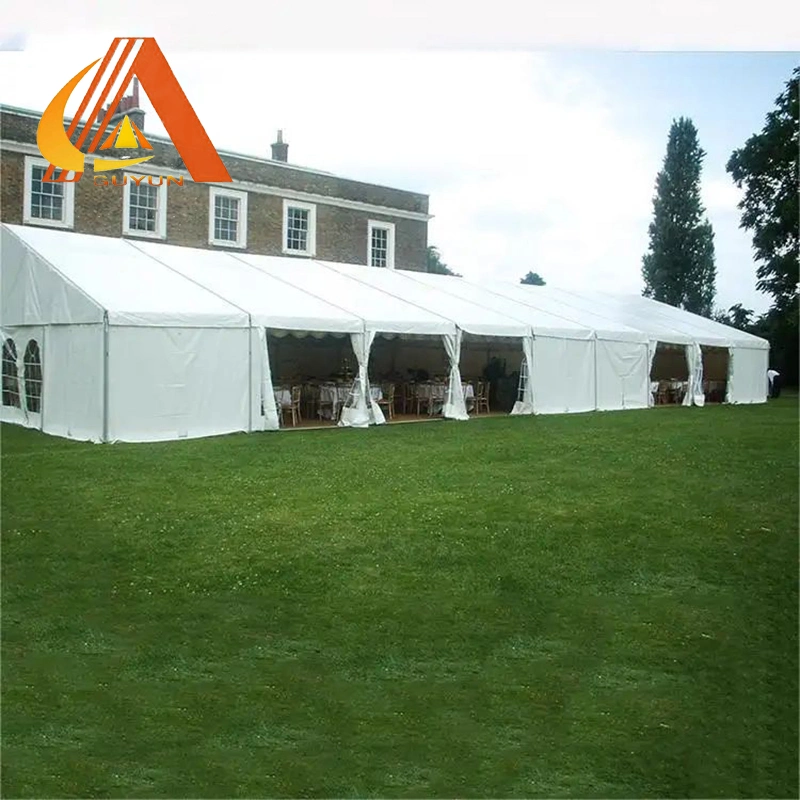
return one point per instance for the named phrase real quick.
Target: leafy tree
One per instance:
(436, 265)
(533, 279)
(679, 268)
(767, 167)
(737, 316)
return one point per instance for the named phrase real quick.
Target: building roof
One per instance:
(227, 155)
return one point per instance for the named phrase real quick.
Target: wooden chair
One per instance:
(327, 402)
(482, 398)
(293, 406)
(310, 400)
(409, 400)
(387, 401)
(423, 398)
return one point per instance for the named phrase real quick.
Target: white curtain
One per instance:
(729, 377)
(271, 420)
(365, 411)
(698, 395)
(687, 398)
(525, 405)
(694, 360)
(454, 406)
(651, 357)
(23, 393)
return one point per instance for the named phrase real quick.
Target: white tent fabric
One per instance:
(143, 341)
(553, 335)
(33, 292)
(616, 349)
(651, 357)
(525, 405)
(540, 322)
(663, 323)
(380, 312)
(270, 301)
(131, 288)
(269, 410)
(469, 317)
(454, 405)
(694, 362)
(365, 411)
(23, 413)
(622, 375)
(747, 382)
(548, 300)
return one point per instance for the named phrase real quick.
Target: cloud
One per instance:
(13, 42)
(721, 195)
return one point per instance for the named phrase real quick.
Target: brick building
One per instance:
(270, 207)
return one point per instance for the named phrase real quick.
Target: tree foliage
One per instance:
(737, 316)
(533, 279)
(436, 265)
(679, 267)
(767, 168)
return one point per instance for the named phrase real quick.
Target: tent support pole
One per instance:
(105, 377)
(42, 358)
(249, 374)
(596, 406)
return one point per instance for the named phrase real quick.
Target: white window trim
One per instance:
(387, 226)
(311, 250)
(11, 146)
(161, 212)
(69, 198)
(241, 240)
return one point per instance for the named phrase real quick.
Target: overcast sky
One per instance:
(542, 161)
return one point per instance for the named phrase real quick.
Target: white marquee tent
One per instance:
(142, 341)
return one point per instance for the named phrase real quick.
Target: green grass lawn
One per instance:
(597, 605)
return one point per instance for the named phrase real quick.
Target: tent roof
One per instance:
(586, 303)
(470, 317)
(271, 302)
(133, 288)
(33, 292)
(381, 312)
(704, 330)
(541, 322)
(57, 277)
(545, 300)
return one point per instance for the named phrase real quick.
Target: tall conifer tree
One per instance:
(679, 267)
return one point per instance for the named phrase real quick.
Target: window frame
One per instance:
(390, 242)
(241, 230)
(68, 220)
(16, 392)
(161, 211)
(29, 382)
(311, 241)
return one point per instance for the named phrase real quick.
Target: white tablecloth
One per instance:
(336, 395)
(437, 392)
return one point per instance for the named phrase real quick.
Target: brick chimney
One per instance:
(127, 105)
(280, 150)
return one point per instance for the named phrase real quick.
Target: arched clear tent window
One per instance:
(10, 374)
(33, 377)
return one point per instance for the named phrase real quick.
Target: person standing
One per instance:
(774, 379)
